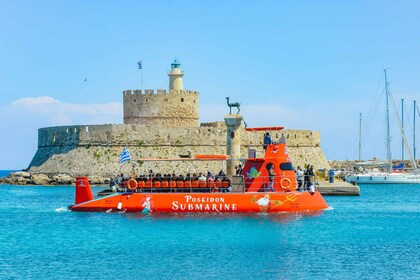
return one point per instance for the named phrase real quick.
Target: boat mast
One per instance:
(414, 132)
(388, 136)
(360, 137)
(402, 125)
(389, 98)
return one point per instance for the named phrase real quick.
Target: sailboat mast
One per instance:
(388, 136)
(414, 132)
(360, 137)
(402, 125)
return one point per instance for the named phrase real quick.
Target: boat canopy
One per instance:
(197, 157)
(264, 128)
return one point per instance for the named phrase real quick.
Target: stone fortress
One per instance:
(161, 124)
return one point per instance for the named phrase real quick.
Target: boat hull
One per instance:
(205, 202)
(385, 178)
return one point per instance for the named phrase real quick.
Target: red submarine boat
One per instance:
(248, 192)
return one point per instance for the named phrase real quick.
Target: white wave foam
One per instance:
(61, 209)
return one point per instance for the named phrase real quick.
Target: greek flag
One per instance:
(125, 155)
(139, 64)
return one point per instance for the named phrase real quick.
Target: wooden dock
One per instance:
(338, 188)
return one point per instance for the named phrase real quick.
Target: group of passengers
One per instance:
(306, 179)
(209, 179)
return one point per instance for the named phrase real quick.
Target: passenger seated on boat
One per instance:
(172, 183)
(141, 184)
(188, 177)
(180, 181)
(194, 183)
(149, 184)
(218, 183)
(157, 177)
(201, 177)
(209, 175)
(221, 175)
(202, 184)
(226, 185)
(187, 182)
(165, 183)
(112, 184)
(210, 183)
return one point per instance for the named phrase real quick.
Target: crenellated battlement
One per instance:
(176, 108)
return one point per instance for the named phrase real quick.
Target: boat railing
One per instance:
(181, 184)
(234, 184)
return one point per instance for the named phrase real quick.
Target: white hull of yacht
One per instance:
(384, 178)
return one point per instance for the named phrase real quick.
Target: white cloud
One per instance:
(21, 120)
(28, 101)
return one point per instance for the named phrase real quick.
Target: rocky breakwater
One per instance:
(26, 178)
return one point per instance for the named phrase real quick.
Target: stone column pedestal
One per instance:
(233, 141)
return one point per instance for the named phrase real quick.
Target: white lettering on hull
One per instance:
(189, 204)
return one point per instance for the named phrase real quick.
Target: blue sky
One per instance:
(301, 64)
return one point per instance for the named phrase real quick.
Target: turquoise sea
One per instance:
(374, 236)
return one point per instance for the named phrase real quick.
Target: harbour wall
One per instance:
(93, 149)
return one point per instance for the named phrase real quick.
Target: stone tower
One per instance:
(175, 76)
(176, 108)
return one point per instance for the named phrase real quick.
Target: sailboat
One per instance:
(388, 176)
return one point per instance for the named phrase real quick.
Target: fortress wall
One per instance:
(178, 108)
(58, 136)
(94, 149)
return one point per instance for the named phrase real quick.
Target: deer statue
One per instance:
(233, 104)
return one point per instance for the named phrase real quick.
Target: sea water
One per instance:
(4, 173)
(373, 236)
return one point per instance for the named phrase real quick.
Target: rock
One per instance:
(40, 179)
(62, 179)
(97, 180)
(20, 181)
(22, 174)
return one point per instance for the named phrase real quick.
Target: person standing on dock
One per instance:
(332, 175)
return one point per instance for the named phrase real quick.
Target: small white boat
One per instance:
(384, 178)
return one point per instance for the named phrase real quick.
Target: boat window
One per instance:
(286, 166)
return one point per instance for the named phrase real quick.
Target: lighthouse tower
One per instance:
(175, 76)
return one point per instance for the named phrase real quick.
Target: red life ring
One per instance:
(132, 184)
(285, 183)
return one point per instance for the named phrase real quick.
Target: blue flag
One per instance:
(125, 155)
(139, 64)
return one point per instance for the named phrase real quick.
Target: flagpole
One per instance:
(140, 64)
